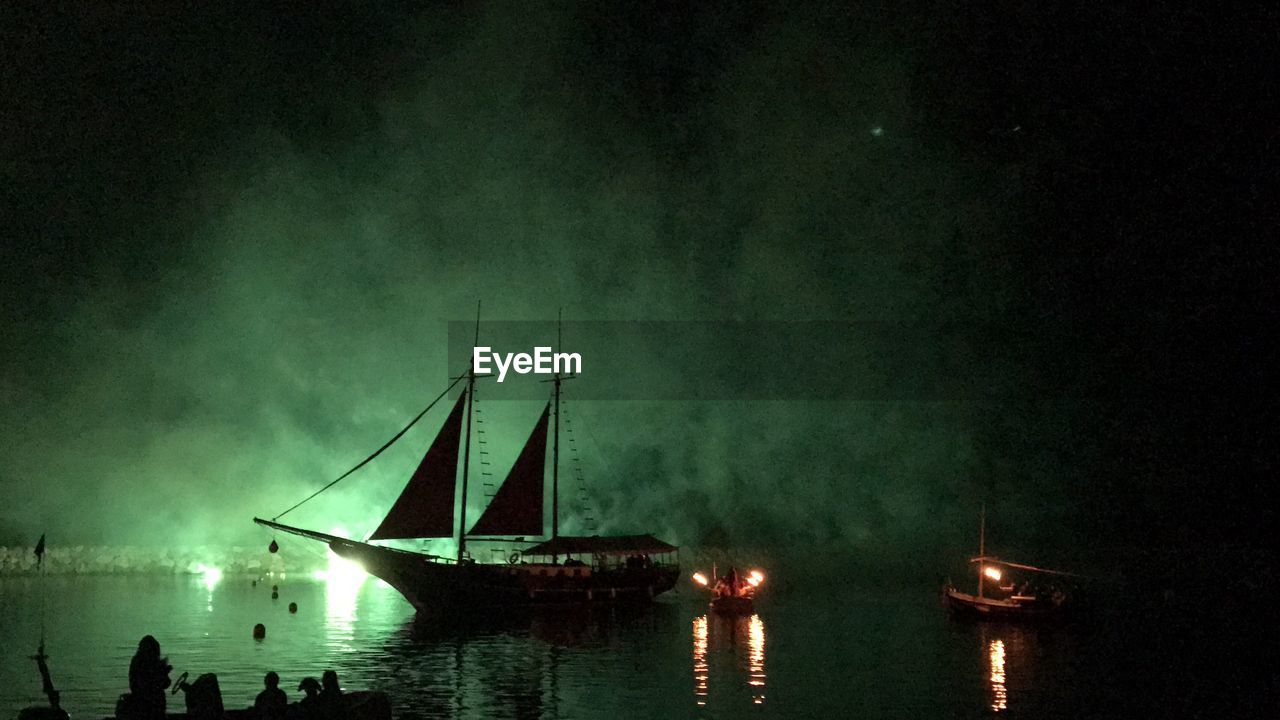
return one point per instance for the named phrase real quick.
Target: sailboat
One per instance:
(1009, 590)
(554, 569)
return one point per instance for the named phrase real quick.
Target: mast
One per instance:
(555, 451)
(982, 547)
(466, 451)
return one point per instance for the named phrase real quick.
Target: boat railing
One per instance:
(610, 563)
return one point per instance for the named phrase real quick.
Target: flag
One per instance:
(40, 551)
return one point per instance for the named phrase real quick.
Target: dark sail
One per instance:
(517, 507)
(425, 508)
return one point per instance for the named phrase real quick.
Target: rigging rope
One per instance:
(377, 452)
(585, 502)
(43, 583)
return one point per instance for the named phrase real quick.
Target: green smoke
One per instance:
(276, 304)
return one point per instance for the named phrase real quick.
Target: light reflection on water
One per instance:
(575, 664)
(700, 660)
(876, 655)
(999, 695)
(341, 606)
(731, 649)
(755, 639)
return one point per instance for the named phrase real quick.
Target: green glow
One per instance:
(211, 576)
(342, 572)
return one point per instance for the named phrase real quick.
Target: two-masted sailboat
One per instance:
(555, 569)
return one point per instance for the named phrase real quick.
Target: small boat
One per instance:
(556, 569)
(1014, 605)
(733, 605)
(732, 594)
(360, 705)
(203, 701)
(1009, 590)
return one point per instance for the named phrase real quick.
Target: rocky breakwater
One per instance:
(138, 560)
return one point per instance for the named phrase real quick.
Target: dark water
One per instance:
(872, 654)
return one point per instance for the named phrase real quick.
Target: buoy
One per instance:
(293, 607)
(259, 631)
(274, 547)
(253, 583)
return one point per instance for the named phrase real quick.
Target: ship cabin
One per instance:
(568, 556)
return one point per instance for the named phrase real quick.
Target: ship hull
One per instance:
(731, 605)
(964, 605)
(433, 586)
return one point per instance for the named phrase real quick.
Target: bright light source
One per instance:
(992, 572)
(757, 576)
(753, 581)
(700, 578)
(211, 575)
(342, 571)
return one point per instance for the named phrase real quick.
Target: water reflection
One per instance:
(1010, 657)
(999, 694)
(523, 662)
(700, 659)
(715, 637)
(622, 663)
(343, 580)
(755, 650)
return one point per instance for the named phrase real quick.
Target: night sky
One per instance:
(235, 235)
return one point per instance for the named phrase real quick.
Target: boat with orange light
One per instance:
(1009, 590)
(732, 594)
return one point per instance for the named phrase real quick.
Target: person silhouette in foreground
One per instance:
(148, 679)
(331, 703)
(271, 703)
(309, 705)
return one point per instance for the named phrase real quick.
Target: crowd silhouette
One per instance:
(321, 700)
(149, 679)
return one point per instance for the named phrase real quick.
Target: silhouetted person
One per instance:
(735, 584)
(148, 679)
(271, 703)
(311, 687)
(332, 704)
(309, 705)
